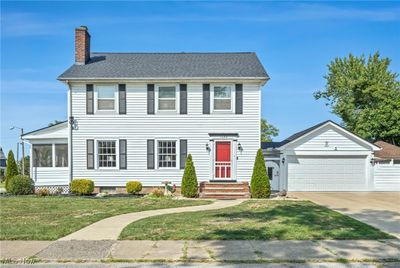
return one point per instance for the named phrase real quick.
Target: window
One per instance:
(106, 98)
(167, 154)
(167, 98)
(222, 98)
(61, 155)
(42, 155)
(107, 154)
(270, 173)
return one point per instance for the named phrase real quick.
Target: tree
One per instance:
(259, 185)
(27, 163)
(11, 169)
(55, 122)
(268, 131)
(189, 179)
(365, 94)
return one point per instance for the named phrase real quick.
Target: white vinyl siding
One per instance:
(387, 177)
(137, 127)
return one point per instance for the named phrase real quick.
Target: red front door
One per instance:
(223, 160)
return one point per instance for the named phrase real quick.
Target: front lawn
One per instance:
(49, 218)
(254, 220)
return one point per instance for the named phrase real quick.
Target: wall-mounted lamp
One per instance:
(372, 161)
(208, 147)
(283, 160)
(240, 148)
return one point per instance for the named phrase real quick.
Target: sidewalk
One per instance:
(201, 251)
(110, 228)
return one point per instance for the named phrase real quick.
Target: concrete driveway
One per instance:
(379, 209)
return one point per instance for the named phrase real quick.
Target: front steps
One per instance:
(224, 190)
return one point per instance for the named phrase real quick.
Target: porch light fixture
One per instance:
(240, 148)
(372, 161)
(283, 160)
(208, 147)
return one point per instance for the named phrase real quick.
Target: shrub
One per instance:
(11, 169)
(43, 192)
(20, 185)
(133, 187)
(189, 179)
(157, 192)
(259, 185)
(82, 186)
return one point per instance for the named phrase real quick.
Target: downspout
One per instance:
(70, 127)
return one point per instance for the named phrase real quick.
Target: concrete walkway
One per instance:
(110, 228)
(378, 209)
(203, 251)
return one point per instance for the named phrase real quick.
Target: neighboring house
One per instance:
(387, 167)
(3, 159)
(136, 116)
(326, 157)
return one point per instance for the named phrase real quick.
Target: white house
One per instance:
(136, 116)
(327, 157)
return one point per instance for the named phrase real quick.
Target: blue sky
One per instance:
(294, 40)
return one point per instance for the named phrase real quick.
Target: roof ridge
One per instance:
(240, 52)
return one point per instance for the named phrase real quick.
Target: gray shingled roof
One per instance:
(168, 65)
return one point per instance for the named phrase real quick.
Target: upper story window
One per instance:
(106, 96)
(167, 154)
(222, 98)
(107, 154)
(167, 98)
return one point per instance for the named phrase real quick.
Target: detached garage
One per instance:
(325, 157)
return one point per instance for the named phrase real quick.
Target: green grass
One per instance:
(49, 218)
(254, 220)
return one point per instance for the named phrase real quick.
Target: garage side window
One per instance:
(42, 155)
(270, 173)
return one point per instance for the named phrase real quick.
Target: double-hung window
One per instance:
(106, 98)
(166, 154)
(222, 98)
(167, 98)
(107, 154)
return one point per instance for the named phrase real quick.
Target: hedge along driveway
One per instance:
(49, 218)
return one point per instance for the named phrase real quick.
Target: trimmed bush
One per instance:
(11, 169)
(189, 187)
(259, 186)
(82, 187)
(157, 192)
(20, 185)
(133, 187)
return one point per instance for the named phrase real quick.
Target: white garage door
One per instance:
(323, 173)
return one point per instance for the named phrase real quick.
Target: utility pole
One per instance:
(23, 148)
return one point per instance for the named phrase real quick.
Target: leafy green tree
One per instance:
(259, 185)
(11, 169)
(268, 131)
(365, 94)
(189, 179)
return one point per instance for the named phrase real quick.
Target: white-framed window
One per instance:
(61, 155)
(222, 97)
(42, 155)
(167, 154)
(106, 97)
(107, 153)
(167, 99)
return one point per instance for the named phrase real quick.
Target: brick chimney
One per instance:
(82, 45)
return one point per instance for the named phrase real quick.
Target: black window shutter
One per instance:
(206, 98)
(183, 98)
(122, 154)
(150, 154)
(90, 154)
(182, 153)
(150, 99)
(89, 99)
(239, 99)
(122, 98)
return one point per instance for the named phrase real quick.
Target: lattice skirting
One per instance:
(55, 189)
